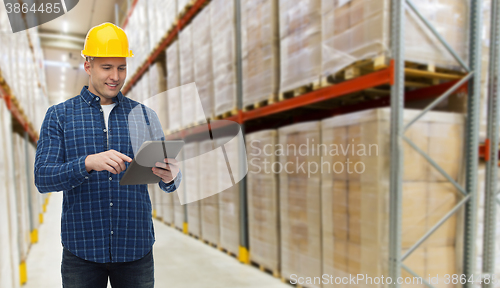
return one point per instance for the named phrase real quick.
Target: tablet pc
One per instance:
(150, 152)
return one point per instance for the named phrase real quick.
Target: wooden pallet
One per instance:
(271, 99)
(228, 252)
(417, 75)
(274, 273)
(288, 281)
(185, 9)
(227, 114)
(216, 246)
(194, 236)
(173, 131)
(300, 90)
(197, 123)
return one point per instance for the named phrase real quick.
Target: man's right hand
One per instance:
(111, 160)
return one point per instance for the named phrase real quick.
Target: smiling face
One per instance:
(107, 75)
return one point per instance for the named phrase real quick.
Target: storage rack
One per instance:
(393, 75)
(11, 101)
(23, 125)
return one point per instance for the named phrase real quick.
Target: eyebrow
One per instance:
(110, 65)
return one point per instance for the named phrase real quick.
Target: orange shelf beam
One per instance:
(363, 82)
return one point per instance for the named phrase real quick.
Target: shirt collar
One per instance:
(90, 98)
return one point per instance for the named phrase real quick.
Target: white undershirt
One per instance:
(106, 109)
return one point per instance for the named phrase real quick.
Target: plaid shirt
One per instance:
(101, 220)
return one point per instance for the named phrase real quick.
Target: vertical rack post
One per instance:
(396, 162)
(492, 141)
(472, 140)
(244, 249)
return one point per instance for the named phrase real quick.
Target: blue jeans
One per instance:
(80, 273)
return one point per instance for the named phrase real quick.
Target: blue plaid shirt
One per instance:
(101, 220)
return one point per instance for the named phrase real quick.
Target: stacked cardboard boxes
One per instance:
(355, 193)
(222, 32)
(209, 205)
(191, 175)
(262, 195)
(300, 200)
(360, 29)
(202, 50)
(188, 92)
(229, 198)
(9, 229)
(174, 92)
(300, 43)
(260, 50)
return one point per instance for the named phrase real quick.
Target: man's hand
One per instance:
(111, 160)
(169, 171)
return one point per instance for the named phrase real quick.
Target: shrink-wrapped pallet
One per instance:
(179, 217)
(161, 17)
(23, 220)
(9, 248)
(173, 82)
(260, 50)
(229, 199)
(158, 95)
(355, 193)
(202, 49)
(191, 183)
(222, 32)
(138, 37)
(355, 30)
(154, 200)
(300, 43)
(35, 196)
(167, 206)
(262, 195)
(210, 205)
(300, 204)
(188, 90)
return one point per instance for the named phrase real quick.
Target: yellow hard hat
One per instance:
(106, 40)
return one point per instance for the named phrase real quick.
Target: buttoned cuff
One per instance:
(79, 171)
(172, 185)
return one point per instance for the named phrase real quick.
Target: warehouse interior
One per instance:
(324, 139)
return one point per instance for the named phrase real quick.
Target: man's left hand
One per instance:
(167, 171)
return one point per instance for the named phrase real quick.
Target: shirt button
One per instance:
(100, 110)
(105, 130)
(110, 178)
(111, 204)
(111, 232)
(73, 186)
(86, 177)
(96, 98)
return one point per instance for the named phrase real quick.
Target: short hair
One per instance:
(89, 59)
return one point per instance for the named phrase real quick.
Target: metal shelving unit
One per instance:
(394, 75)
(471, 141)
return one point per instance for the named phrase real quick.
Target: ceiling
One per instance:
(62, 40)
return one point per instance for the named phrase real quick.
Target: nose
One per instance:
(115, 76)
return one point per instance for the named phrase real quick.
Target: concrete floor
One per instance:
(180, 261)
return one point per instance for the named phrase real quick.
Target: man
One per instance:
(84, 146)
